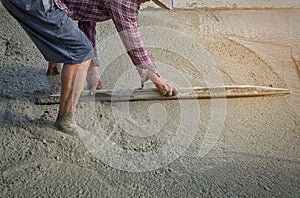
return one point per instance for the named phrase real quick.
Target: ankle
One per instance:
(68, 114)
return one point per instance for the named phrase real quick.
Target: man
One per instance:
(124, 14)
(60, 41)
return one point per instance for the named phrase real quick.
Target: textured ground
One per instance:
(255, 154)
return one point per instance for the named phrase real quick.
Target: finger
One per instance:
(99, 85)
(163, 93)
(175, 91)
(88, 87)
(170, 93)
(93, 90)
(162, 89)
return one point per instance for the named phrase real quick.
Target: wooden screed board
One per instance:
(183, 94)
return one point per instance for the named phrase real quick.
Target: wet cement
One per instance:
(233, 4)
(255, 155)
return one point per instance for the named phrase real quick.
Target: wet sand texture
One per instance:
(256, 153)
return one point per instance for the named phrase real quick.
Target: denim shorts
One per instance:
(52, 31)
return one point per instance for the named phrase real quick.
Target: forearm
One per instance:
(143, 63)
(154, 77)
(126, 22)
(132, 40)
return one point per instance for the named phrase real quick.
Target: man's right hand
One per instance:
(165, 86)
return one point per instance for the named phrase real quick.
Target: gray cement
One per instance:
(256, 153)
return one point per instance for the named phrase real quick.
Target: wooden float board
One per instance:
(183, 94)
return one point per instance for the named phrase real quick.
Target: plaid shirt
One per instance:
(124, 14)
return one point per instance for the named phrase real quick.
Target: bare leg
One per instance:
(73, 78)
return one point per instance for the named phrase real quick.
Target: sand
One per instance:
(247, 147)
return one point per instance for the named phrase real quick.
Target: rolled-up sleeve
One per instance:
(125, 18)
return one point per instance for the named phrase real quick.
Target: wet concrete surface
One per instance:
(256, 154)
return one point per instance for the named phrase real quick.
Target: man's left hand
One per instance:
(93, 80)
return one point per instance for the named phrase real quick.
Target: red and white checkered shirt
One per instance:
(124, 14)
